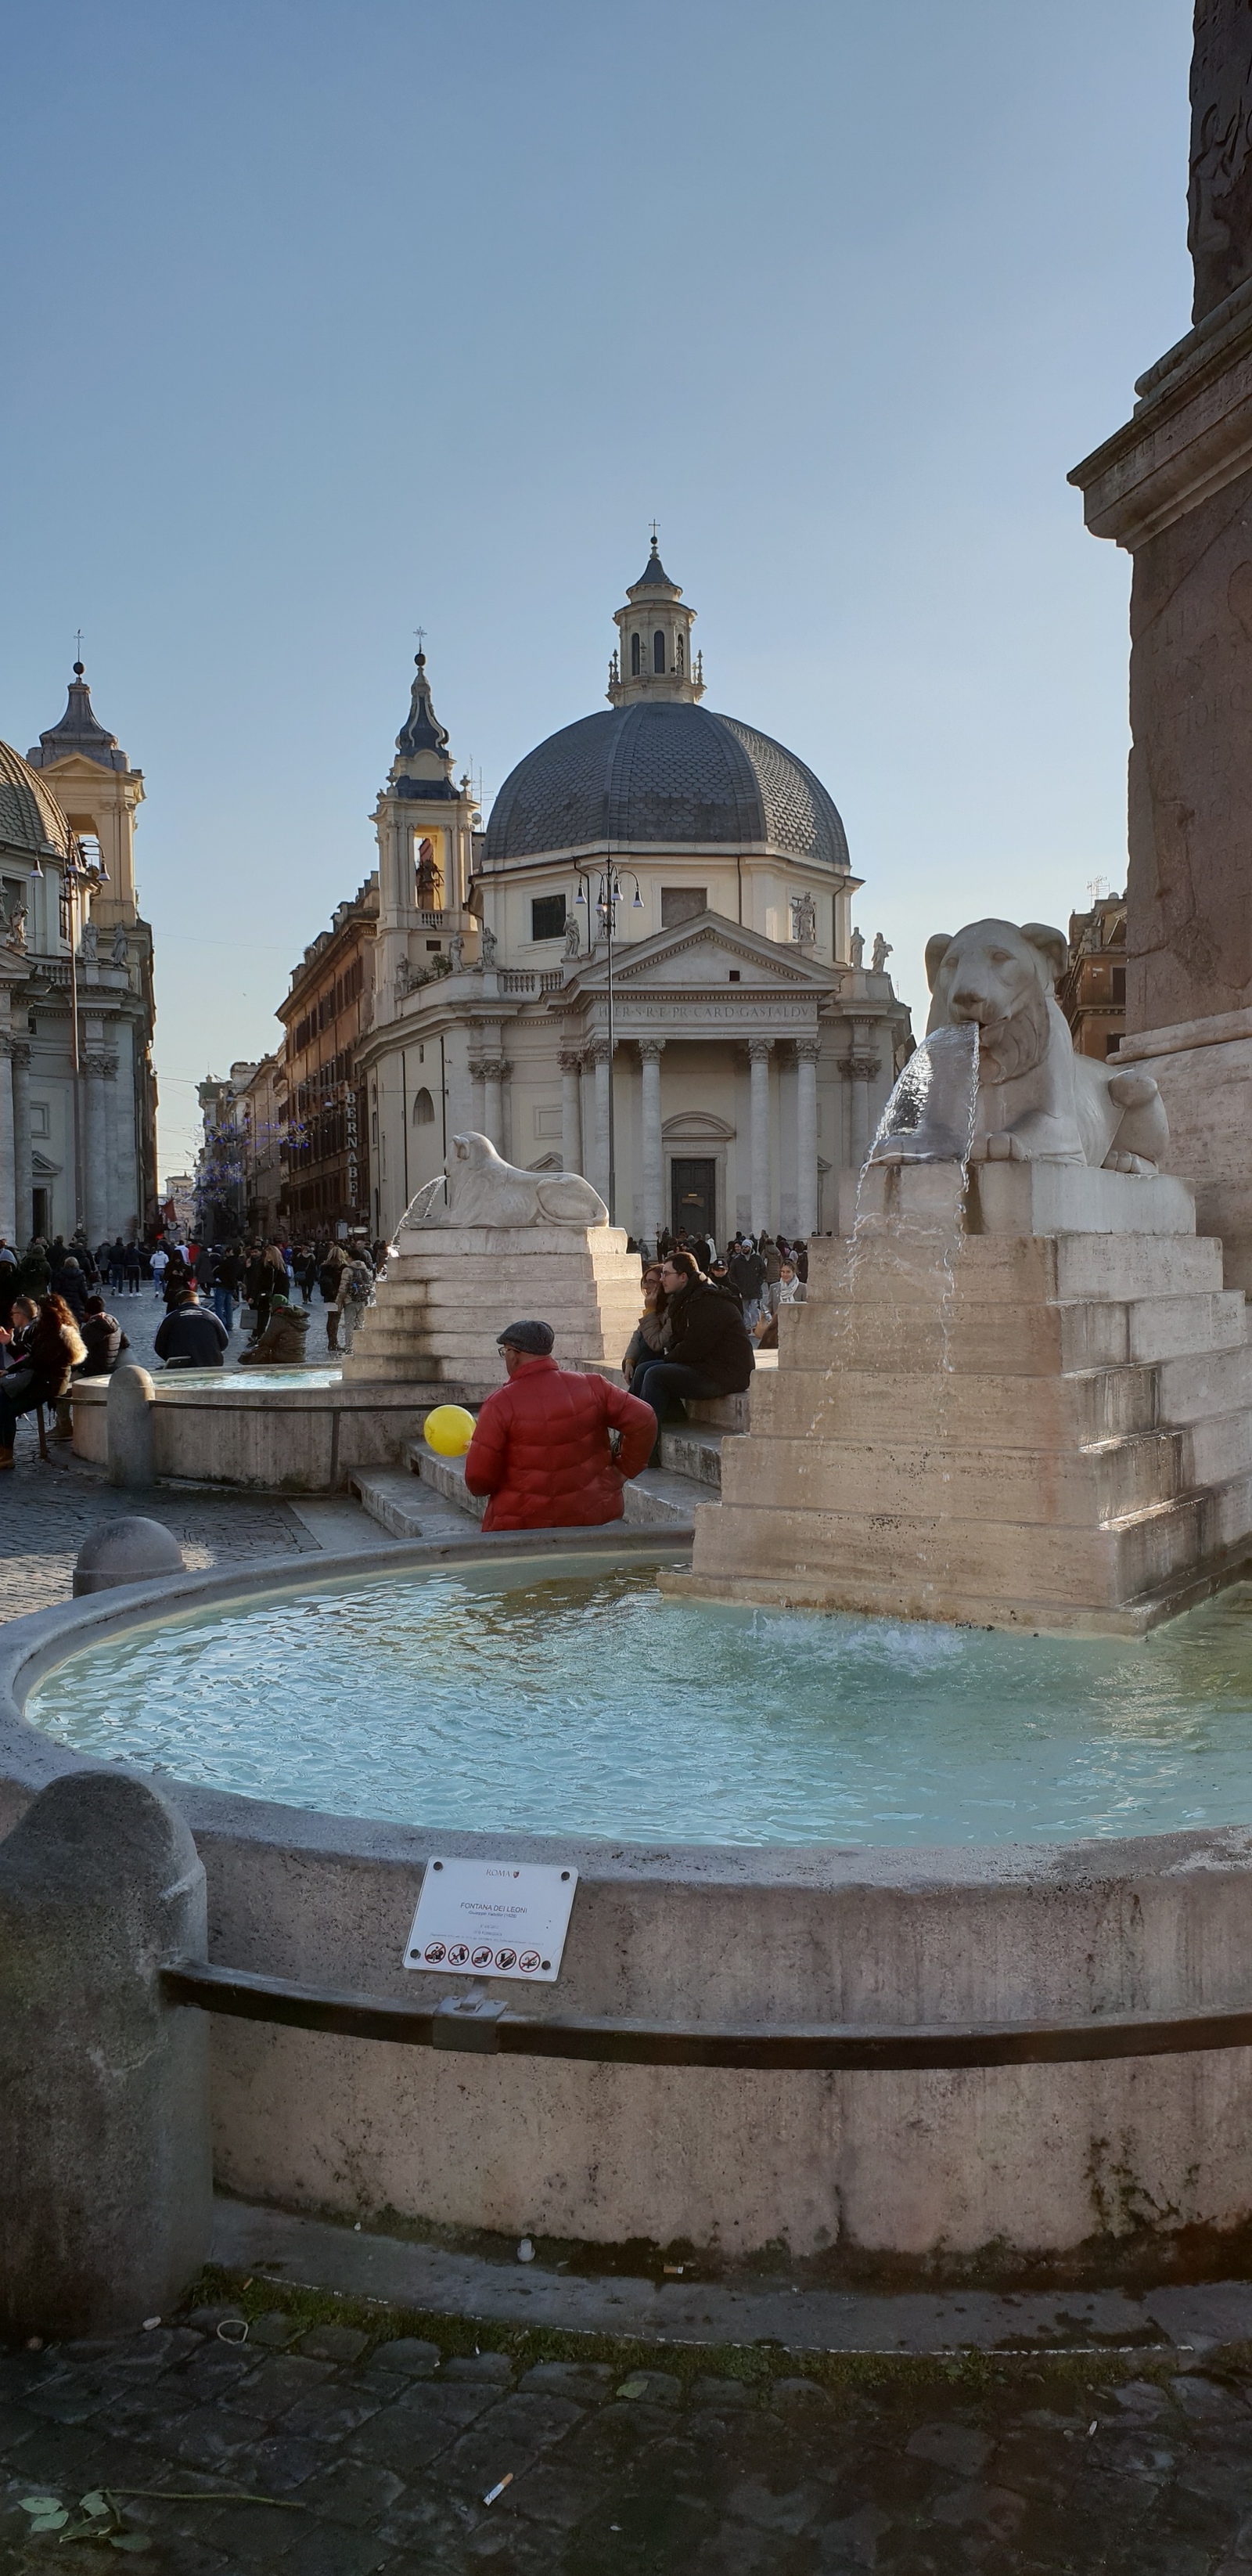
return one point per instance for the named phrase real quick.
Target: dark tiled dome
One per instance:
(676, 776)
(31, 821)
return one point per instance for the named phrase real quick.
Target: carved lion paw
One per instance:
(997, 1149)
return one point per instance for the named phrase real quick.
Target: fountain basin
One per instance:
(291, 1430)
(1074, 2170)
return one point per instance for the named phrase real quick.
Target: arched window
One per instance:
(423, 1110)
(680, 656)
(658, 651)
(636, 658)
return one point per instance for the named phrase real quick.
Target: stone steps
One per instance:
(391, 1497)
(656, 1500)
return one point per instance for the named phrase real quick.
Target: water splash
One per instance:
(931, 1114)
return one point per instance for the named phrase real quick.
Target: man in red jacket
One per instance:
(541, 1444)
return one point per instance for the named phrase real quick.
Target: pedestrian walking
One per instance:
(158, 1266)
(134, 1267)
(227, 1278)
(356, 1287)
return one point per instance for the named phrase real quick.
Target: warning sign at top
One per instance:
(492, 1918)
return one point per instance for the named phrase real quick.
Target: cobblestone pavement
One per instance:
(46, 1512)
(380, 2450)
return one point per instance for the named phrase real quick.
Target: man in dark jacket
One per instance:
(68, 1282)
(745, 1273)
(710, 1350)
(189, 1338)
(104, 1338)
(541, 1444)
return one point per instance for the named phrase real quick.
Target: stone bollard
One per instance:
(128, 1415)
(131, 1550)
(105, 2179)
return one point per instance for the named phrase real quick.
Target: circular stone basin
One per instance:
(585, 1704)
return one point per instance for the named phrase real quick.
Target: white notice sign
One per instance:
(492, 1918)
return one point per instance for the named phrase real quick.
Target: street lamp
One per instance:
(607, 897)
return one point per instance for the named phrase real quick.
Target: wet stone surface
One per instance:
(327, 2451)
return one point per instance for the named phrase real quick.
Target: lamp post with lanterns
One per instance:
(608, 895)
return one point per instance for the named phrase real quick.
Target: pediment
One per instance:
(700, 953)
(697, 1127)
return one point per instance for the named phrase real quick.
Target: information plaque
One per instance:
(492, 1918)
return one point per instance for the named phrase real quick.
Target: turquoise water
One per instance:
(589, 1705)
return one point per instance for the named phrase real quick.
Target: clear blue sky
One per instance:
(327, 317)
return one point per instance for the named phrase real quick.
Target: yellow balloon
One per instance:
(449, 1430)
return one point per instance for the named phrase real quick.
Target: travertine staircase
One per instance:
(661, 1498)
(1042, 1419)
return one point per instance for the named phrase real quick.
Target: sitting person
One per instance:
(69, 1284)
(103, 1339)
(541, 1444)
(710, 1347)
(46, 1346)
(650, 1338)
(785, 1290)
(282, 1344)
(188, 1337)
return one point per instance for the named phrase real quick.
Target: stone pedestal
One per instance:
(105, 2181)
(1033, 1412)
(449, 1290)
(1174, 487)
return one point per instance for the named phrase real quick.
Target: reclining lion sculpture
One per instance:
(479, 1188)
(1036, 1101)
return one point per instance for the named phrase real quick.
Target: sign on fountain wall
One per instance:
(492, 1918)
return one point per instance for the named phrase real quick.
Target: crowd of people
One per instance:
(702, 1320)
(56, 1323)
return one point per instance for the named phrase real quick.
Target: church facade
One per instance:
(644, 969)
(77, 1089)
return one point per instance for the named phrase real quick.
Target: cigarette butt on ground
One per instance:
(498, 2490)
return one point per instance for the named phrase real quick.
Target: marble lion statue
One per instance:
(482, 1189)
(1037, 1101)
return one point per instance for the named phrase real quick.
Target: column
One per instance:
(112, 1150)
(807, 1053)
(759, 1050)
(600, 1059)
(8, 1160)
(95, 1178)
(571, 1118)
(862, 1068)
(495, 1073)
(23, 1175)
(127, 1195)
(650, 1052)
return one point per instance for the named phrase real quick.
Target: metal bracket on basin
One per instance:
(467, 2021)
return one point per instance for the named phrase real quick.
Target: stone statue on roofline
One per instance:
(89, 943)
(573, 939)
(881, 952)
(856, 948)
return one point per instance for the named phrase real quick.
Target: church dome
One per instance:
(32, 825)
(667, 774)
